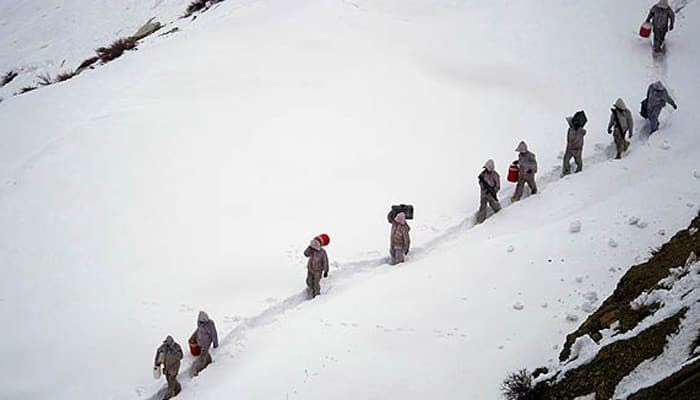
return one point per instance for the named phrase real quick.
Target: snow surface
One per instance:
(192, 173)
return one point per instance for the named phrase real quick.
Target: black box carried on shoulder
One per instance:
(407, 209)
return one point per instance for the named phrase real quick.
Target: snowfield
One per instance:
(192, 173)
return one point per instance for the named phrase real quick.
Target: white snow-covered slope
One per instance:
(192, 173)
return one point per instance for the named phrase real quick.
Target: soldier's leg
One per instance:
(481, 214)
(317, 283)
(566, 166)
(399, 255)
(578, 157)
(519, 187)
(531, 182)
(495, 204)
(619, 143)
(654, 119)
(178, 387)
(309, 283)
(173, 384)
(662, 40)
(201, 362)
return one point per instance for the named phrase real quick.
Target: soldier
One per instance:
(316, 267)
(527, 164)
(400, 240)
(490, 184)
(168, 357)
(621, 122)
(657, 97)
(663, 19)
(574, 143)
(205, 335)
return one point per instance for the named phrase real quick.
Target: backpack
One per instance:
(579, 119)
(643, 111)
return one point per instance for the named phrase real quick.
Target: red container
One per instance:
(513, 172)
(645, 30)
(323, 239)
(195, 350)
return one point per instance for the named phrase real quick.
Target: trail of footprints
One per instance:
(445, 333)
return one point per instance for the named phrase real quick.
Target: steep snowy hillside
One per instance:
(191, 175)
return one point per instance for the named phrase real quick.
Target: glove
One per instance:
(325, 274)
(630, 135)
(405, 252)
(675, 107)
(609, 130)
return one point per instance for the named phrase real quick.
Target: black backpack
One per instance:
(644, 110)
(579, 119)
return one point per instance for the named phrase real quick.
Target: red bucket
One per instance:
(645, 30)
(323, 239)
(195, 350)
(513, 172)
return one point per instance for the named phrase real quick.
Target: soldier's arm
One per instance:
(407, 239)
(651, 14)
(307, 252)
(178, 352)
(630, 122)
(672, 17)
(325, 263)
(670, 100)
(214, 335)
(160, 350)
(611, 124)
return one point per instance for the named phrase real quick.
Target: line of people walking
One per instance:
(169, 354)
(522, 172)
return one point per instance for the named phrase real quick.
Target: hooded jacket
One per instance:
(657, 96)
(169, 355)
(490, 177)
(400, 237)
(662, 17)
(205, 334)
(318, 259)
(624, 118)
(526, 160)
(574, 137)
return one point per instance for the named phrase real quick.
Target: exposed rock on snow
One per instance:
(664, 145)
(587, 307)
(642, 224)
(612, 243)
(518, 306)
(575, 227)
(633, 220)
(510, 249)
(696, 174)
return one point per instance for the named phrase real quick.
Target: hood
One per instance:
(658, 85)
(568, 121)
(663, 3)
(203, 317)
(490, 165)
(400, 218)
(620, 104)
(522, 147)
(315, 244)
(169, 341)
